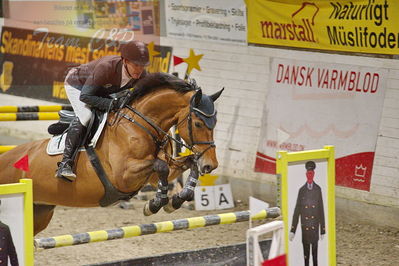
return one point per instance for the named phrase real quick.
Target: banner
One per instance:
(87, 18)
(361, 26)
(207, 20)
(34, 63)
(310, 105)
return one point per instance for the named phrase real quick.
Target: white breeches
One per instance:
(81, 109)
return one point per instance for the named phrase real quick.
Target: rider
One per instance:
(90, 85)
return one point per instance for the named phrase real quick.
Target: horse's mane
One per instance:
(155, 81)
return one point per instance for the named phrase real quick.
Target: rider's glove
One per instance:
(117, 103)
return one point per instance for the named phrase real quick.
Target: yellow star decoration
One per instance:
(151, 50)
(192, 61)
(208, 180)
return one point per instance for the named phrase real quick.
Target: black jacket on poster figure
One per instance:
(7, 248)
(98, 79)
(309, 206)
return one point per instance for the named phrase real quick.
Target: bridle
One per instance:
(211, 144)
(161, 143)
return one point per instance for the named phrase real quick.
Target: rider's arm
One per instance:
(95, 86)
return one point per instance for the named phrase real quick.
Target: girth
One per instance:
(111, 194)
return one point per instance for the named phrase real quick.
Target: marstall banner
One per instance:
(362, 26)
(310, 105)
(34, 63)
(207, 20)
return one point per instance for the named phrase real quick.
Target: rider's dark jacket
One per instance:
(98, 79)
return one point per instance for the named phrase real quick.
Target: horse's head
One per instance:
(196, 128)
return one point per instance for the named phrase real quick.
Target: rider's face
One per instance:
(133, 69)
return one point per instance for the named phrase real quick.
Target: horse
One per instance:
(133, 150)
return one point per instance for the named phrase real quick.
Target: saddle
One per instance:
(62, 125)
(94, 129)
(56, 144)
(66, 118)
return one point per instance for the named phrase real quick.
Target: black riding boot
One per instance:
(73, 140)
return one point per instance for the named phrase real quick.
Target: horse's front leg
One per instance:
(187, 193)
(161, 197)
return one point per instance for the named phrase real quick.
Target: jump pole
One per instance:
(35, 108)
(29, 116)
(154, 228)
(4, 148)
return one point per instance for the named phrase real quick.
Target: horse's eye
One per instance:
(198, 124)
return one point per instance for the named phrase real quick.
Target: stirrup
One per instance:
(65, 172)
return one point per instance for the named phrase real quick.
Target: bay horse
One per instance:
(132, 149)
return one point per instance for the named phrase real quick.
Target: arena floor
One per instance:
(357, 244)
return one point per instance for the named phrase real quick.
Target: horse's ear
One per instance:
(197, 97)
(215, 96)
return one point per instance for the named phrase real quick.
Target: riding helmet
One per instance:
(135, 52)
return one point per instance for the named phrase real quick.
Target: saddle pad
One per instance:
(56, 145)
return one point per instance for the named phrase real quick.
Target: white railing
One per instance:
(254, 252)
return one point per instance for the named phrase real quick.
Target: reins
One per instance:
(161, 143)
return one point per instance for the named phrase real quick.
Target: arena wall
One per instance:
(243, 71)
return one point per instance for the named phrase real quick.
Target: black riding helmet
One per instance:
(135, 52)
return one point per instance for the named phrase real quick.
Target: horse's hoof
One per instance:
(169, 208)
(146, 209)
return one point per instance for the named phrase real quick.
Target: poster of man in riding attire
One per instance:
(8, 243)
(306, 213)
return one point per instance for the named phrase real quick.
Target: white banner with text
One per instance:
(311, 104)
(207, 20)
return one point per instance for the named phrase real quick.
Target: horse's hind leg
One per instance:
(187, 194)
(161, 197)
(42, 215)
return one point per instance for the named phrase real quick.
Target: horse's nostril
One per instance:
(206, 169)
